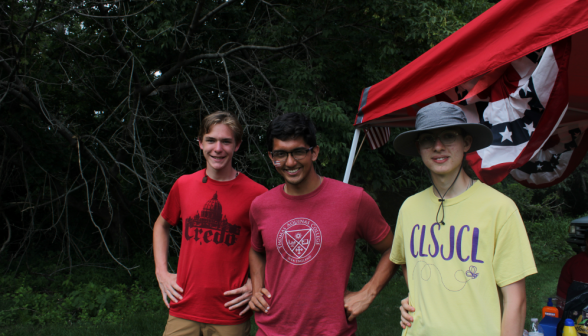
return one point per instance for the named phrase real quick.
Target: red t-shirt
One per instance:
(309, 242)
(575, 269)
(214, 255)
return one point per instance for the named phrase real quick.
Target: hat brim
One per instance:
(405, 143)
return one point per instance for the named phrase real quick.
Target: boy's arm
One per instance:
(357, 302)
(405, 307)
(515, 307)
(167, 281)
(257, 270)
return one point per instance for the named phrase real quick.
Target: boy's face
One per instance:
(294, 171)
(218, 147)
(442, 150)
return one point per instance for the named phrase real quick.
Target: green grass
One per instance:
(382, 318)
(135, 325)
(540, 287)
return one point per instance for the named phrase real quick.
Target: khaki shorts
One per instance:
(179, 327)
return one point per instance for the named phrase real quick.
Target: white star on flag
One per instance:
(506, 135)
(530, 128)
(539, 166)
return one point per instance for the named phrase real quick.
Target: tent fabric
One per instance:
(506, 32)
(483, 67)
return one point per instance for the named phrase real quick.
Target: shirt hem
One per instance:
(398, 261)
(208, 320)
(382, 236)
(511, 280)
(257, 249)
(170, 223)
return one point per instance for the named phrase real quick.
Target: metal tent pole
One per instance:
(351, 156)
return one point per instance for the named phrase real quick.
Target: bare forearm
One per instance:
(257, 269)
(513, 320)
(384, 271)
(515, 307)
(160, 243)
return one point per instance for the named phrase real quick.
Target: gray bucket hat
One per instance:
(439, 115)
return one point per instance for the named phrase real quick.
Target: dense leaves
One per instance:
(100, 105)
(101, 102)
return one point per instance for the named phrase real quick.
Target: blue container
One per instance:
(549, 325)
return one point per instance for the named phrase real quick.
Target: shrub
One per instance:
(547, 237)
(88, 302)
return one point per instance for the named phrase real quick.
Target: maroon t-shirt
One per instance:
(214, 255)
(575, 269)
(309, 243)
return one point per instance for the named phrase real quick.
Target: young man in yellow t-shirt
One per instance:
(462, 245)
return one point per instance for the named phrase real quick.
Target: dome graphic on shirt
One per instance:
(212, 218)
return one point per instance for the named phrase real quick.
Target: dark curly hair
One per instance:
(290, 126)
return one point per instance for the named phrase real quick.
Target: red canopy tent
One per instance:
(484, 53)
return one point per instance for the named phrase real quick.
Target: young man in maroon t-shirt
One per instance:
(303, 235)
(213, 205)
(575, 269)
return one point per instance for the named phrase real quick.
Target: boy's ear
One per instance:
(468, 142)
(315, 152)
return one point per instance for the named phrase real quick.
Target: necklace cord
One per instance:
(442, 199)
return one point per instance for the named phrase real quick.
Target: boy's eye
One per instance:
(427, 138)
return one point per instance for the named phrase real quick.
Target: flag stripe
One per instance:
(377, 136)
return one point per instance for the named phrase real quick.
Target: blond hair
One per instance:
(221, 117)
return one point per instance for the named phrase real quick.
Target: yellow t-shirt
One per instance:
(454, 269)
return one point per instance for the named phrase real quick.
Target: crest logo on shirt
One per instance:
(299, 240)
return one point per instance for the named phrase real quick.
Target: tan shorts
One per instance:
(180, 327)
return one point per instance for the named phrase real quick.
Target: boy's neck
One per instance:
(308, 185)
(444, 182)
(226, 174)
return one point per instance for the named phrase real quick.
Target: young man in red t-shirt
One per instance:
(213, 205)
(303, 235)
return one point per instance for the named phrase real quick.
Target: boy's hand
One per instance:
(244, 299)
(168, 286)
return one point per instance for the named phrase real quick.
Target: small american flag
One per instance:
(377, 136)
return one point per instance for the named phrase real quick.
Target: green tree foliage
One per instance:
(101, 102)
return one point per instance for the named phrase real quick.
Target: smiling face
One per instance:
(295, 172)
(218, 147)
(444, 159)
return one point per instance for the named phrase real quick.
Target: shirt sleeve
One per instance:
(513, 258)
(397, 254)
(256, 239)
(565, 279)
(172, 209)
(371, 225)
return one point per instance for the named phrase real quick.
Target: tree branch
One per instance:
(167, 76)
(9, 233)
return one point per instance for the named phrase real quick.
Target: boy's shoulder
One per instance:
(251, 186)
(489, 195)
(346, 188)
(188, 178)
(270, 195)
(418, 198)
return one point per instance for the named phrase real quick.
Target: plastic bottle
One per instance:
(550, 310)
(536, 329)
(569, 328)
